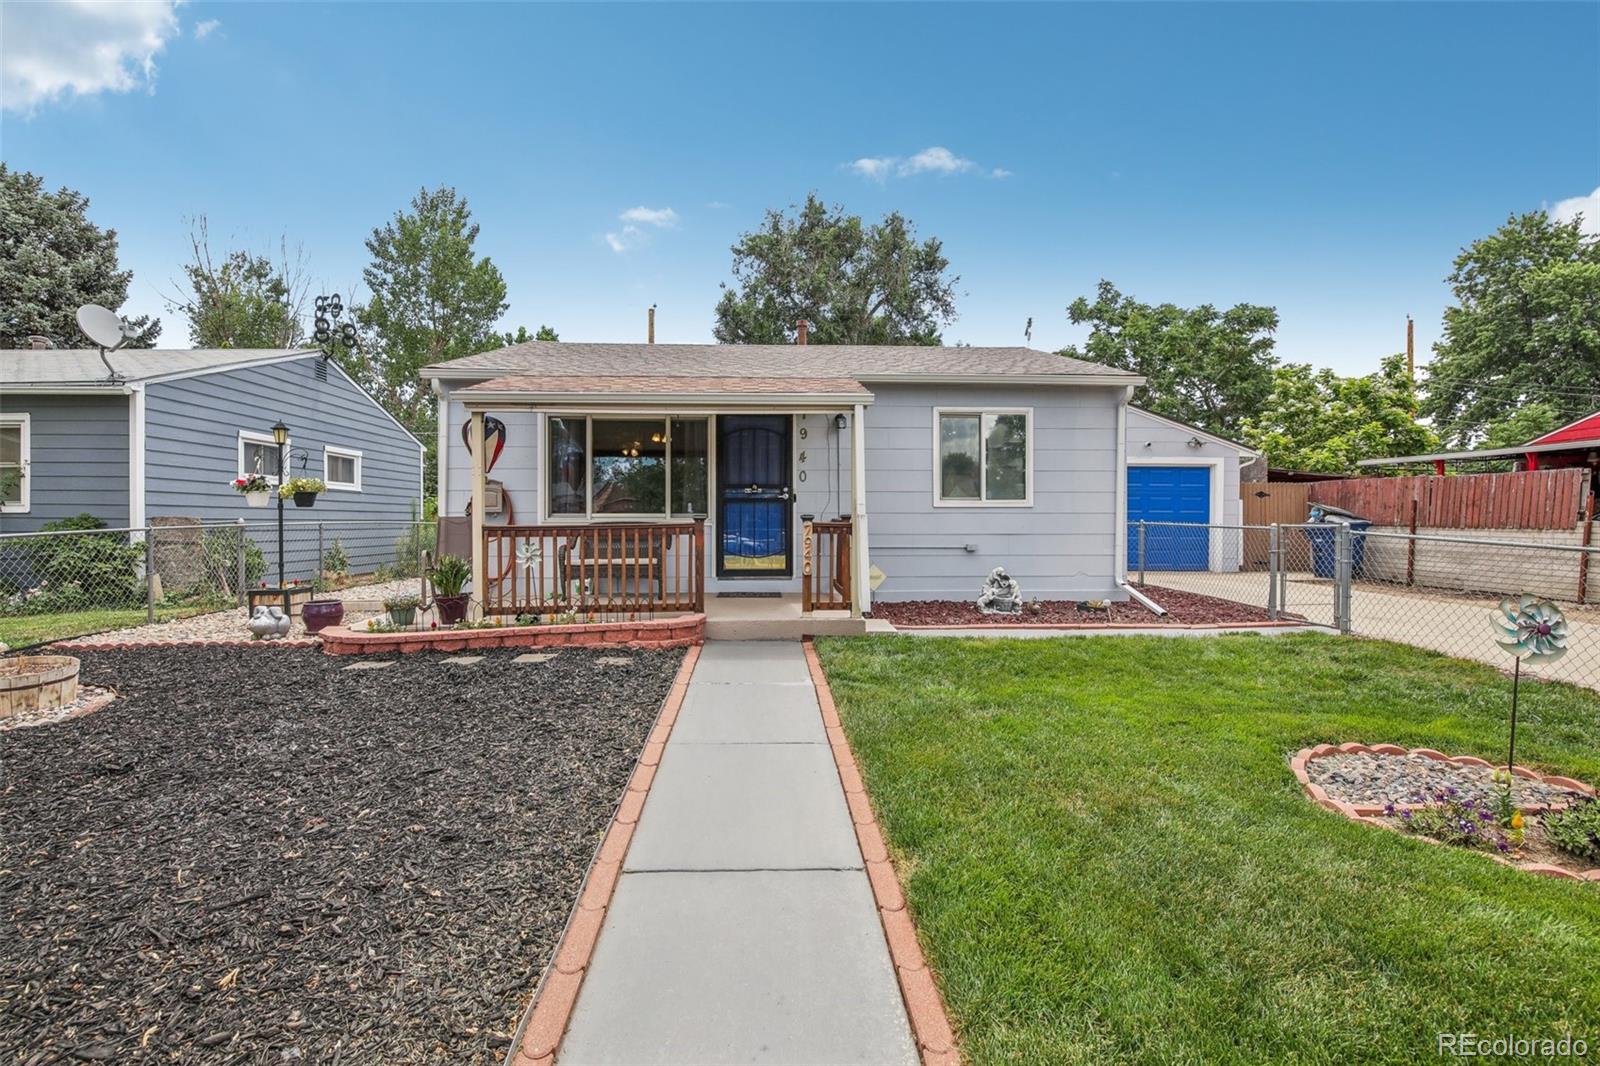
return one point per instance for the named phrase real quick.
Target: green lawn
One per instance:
(23, 630)
(1109, 859)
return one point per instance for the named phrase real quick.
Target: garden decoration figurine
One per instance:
(1532, 629)
(1001, 594)
(269, 623)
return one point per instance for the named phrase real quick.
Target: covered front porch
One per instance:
(744, 499)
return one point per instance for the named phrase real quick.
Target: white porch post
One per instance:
(479, 563)
(861, 594)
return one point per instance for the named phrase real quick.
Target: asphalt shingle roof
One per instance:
(653, 384)
(860, 361)
(82, 366)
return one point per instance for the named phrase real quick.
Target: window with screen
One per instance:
(983, 457)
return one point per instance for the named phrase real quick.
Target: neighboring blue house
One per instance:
(166, 438)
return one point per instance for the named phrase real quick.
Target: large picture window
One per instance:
(625, 467)
(983, 458)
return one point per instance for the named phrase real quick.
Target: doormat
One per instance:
(749, 595)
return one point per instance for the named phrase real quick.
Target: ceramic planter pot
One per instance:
(305, 499)
(319, 614)
(403, 616)
(452, 609)
(257, 499)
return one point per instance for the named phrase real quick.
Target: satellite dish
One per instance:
(106, 329)
(102, 326)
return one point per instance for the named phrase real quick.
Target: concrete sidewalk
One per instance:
(743, 928)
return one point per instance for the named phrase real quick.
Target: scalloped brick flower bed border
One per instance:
(1371, 813)
(930, 1023)
(682, 632)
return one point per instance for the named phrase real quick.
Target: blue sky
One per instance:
(1326, 159)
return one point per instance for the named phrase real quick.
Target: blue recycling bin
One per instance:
(1322, 553)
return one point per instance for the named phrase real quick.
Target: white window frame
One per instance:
(939, 414)
(250, 436)
(343, 453)
(25, 454)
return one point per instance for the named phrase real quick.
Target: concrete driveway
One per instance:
(1454, 624)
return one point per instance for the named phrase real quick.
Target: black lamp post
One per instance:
(280, 436)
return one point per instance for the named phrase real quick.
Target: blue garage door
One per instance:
(1169, 494)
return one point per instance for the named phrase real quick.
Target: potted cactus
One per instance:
(304, 490)
(450, 576)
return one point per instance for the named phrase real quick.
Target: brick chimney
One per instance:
(650, 334)
(39, 344)
(805, 326)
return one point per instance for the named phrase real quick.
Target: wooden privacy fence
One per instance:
(825, 566)
(1532, 499)
(611, 569)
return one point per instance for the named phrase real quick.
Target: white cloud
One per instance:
(1587, 206)
(934, 160)
(661, 217)
(80, 48)
(204, 29)
(626, 239)
(875, 168)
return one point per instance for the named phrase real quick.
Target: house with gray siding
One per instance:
(163, 434)
(923, 468)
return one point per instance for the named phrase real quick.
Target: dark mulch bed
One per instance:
(1183, 608)
(256, 856)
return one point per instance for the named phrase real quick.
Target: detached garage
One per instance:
(1180, 474)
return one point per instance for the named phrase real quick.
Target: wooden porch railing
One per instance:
(612, 569)
(825, 566)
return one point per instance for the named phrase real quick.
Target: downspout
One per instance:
(1119, 539)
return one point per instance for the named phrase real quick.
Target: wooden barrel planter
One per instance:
(37, 683)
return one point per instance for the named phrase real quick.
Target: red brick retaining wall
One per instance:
(681, 632)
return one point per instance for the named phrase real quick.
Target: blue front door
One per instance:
(1175, 494)
(754, 496)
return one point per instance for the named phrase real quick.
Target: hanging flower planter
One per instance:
(254, 488)
(303, 490)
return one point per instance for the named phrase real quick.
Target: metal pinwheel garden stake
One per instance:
(1532, 629)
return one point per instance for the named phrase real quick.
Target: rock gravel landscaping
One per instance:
(1403, 779)
(256, 857)
(1183, 608)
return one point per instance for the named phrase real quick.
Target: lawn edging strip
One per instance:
(1369, 813)
(930, 1022)
(680, 632)
(544, 1022)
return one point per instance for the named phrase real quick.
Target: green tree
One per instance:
(852, 283)
(432, 299)
(1317, 420)
(1206, 367)
(1525, 328)
(53, 260)
(242, 300)
(1522, 425)
(522, 336)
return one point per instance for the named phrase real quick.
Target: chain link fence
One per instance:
(1429, 590)
(176, 567)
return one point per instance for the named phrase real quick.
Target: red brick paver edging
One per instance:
(544, 1022)
(930, 1024)
(681, 632)
(1366, 812)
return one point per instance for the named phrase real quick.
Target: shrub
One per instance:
(334, 560)
(81, 571)
(1576, 830)
(219, 549)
